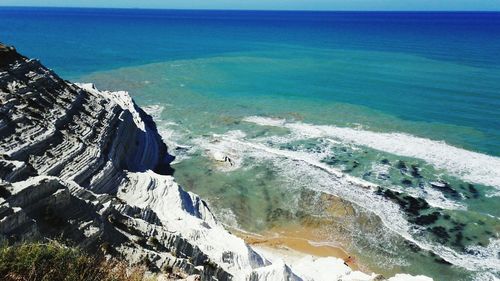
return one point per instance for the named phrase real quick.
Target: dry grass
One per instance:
(53, 262)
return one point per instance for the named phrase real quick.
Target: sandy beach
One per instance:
(295, 242)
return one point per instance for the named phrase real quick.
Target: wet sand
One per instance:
(296, 241)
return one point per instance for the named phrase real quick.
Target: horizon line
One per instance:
(256, 10)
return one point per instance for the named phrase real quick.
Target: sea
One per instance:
(376, 132)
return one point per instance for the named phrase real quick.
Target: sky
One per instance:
(357, 5)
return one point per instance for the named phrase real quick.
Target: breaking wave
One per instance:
(306, 169)
(467, 165)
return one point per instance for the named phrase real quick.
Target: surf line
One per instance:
(468, 165)
(469, 262)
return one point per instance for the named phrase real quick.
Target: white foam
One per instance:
(173, 139)
(169, 131)
(266, 121)
(221, 149)
(486, 276)
(228, 217)
(306, 169)
(495, 193)
(154, 110)
(434, 197)
(468, 165)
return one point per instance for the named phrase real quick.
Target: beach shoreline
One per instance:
(295, 242)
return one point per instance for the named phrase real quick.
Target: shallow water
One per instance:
(277, 161)
(379, 131)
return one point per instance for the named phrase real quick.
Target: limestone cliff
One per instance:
(89, 167)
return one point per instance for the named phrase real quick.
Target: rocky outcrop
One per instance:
(89, 167)
(71, 159)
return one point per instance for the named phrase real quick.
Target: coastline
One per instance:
(139, 211)
(295, 242)
(305, 237)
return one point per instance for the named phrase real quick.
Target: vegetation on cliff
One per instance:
(53, 261)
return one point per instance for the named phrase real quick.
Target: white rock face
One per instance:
(90, 165)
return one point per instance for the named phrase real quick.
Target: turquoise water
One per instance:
(406, 101)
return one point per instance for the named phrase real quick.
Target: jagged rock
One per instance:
(70, 158)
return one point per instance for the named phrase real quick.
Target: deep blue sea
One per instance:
(408, 101)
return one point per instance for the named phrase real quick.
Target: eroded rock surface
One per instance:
(90, 167)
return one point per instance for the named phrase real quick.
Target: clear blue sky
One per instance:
(421, 5)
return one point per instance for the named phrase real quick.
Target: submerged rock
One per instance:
(427, 219)
(446, 188)
(415, 171)
(407, 182)
(410, 205)
(385, 161)
(473, 191)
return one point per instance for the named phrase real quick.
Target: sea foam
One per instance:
(467, 165)
(318, 176)
(154, 110)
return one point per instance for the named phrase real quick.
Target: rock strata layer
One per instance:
(89, 167)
